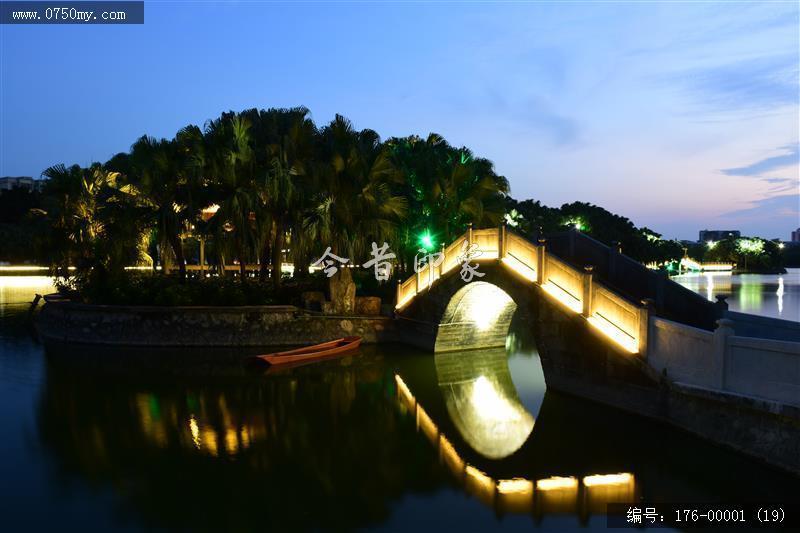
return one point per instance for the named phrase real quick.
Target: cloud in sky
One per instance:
(786, 206)
(750, 84)
(791, 157)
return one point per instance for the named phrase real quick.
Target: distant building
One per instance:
(796, 235)
(25, 182)
(718, 234)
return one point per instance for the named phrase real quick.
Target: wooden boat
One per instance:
(310, 354)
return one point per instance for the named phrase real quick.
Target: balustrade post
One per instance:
(541, 260)
(613, 252)
(571, 242)
(202, 257)
(721, 305)
(399, 291)
(441, 262)
(720, 342)
(588, 293)
(661, 284)
(501, 241)
(469, 234)
(644, 326)
(416, 282)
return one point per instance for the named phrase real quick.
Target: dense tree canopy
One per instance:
(263, 186)
(267, 186)
(642, 244)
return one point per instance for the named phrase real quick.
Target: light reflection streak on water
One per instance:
(750, 294)
(557, 494)
(779, 292)
(19, 290)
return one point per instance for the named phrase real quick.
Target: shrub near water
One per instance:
(169, 291)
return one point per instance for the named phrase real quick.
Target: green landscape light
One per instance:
(426, 240)
(576, 223)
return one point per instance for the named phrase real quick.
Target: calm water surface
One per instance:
(108, 439)
(773, 295)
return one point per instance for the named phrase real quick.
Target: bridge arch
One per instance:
(454, 316)
(478, 315)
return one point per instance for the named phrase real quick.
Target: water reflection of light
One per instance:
(558, 494)
(557, 483)
(490, 405)
(601, 489)
(750, 293)
(21, 289)
(195, 432)
(779, 292)
(518, 494)
(480, 484)
(209, 440)
(607, 479)
(159, 416)
(710, 287)
(482, 401)
(516, 485)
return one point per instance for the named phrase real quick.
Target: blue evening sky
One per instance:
(680, 116)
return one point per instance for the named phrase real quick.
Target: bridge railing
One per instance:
(488, 242)
(632, 279)
(564, 282)
(619, 318)
(451, 254)
(724, 361)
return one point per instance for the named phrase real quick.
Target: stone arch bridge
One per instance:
(514, 276)
(609, 329)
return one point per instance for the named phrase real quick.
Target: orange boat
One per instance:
(310, 354)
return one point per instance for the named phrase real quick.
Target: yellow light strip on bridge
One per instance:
(520, 268)
(612, 332)
(402, 304)
(563, 296)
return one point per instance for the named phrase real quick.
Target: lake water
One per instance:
(773, 295)
(109, 439)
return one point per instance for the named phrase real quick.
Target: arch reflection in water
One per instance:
(482, 401)
(557, 494)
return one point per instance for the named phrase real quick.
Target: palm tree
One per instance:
(355, 203)
(155, 172)
(447, 188)
(284, 189)
(95, 221)
(232, 164)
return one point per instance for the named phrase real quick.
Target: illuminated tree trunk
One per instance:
(177, 249)
(277, 256)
